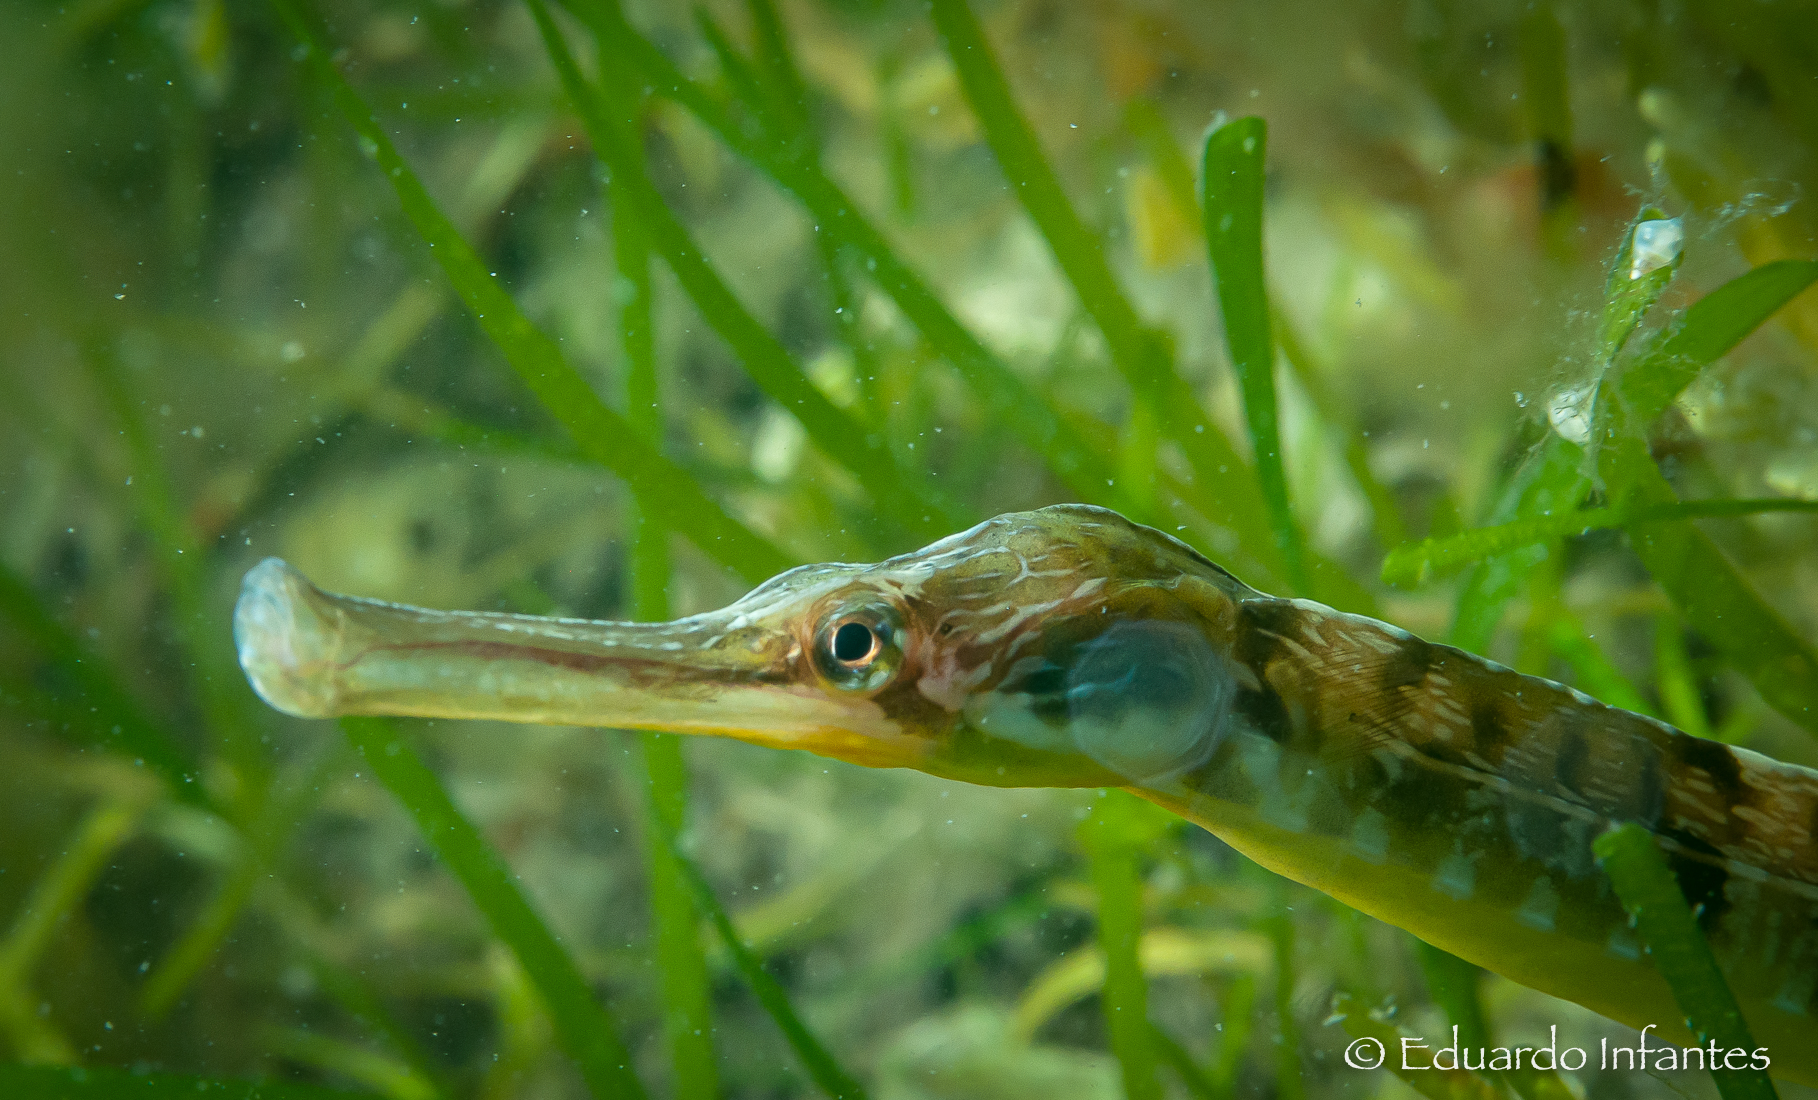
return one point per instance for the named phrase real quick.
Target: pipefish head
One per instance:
(1062, 647)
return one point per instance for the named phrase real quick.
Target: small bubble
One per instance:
(1658, 244)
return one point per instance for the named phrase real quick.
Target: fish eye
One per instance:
(859, 648)
(854, 644)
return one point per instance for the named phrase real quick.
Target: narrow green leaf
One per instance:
(1112, 837)
(58, 891)
(827, 1073)
(1719, 603)
(1712, 326)
(351, 1060)
(650, 567)
(584, 1029)
(1289, 1079)
(1632, 287)
(1544, 78)
(226, 701)
(418, 416)
(1238, 1016)
(1591, 667)
(1554, 481)
(1089, 469)
(1535, 650)
(776, 62)
(1146, 122)
(111, 711)
(1175, 1056)
(1547, 99)
(780, 103)
(1232, 183)
(264, 840)
(1011, 401)
(1547, 483)
(1385, 511)
(1416, 563)
(906, 500)
(1453, 984)
(741, 78)
(1037, 187)
(1711, 595)
(601, 434)
(676, 922)
(357, 996)
(1141, 354)
(965, 940)
(1673, 673)
(1632, 859)
(1139, 472)
(104, 1083)
(686, 991)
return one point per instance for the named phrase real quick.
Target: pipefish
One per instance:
(1069, 647)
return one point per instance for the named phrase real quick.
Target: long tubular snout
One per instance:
(316, 655)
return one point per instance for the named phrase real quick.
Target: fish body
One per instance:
(1426, 786)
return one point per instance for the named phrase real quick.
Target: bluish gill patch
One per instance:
(1148, 698)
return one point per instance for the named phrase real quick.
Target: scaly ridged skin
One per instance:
(1428, 787)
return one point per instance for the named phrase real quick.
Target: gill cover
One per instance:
(1148, 699)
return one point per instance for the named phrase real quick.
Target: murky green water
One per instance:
(805, 317)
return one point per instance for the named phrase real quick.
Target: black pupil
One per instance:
(852, 642)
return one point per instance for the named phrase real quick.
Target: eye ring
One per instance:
(858, 648)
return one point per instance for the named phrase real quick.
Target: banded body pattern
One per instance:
(1458, 798)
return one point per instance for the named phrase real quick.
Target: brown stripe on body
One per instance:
(1263, 642)
(1351, 686)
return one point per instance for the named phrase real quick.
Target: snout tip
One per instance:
(286, 643)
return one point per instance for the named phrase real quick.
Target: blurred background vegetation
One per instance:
(826, 271)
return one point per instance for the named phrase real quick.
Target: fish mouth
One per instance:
(314, 654)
